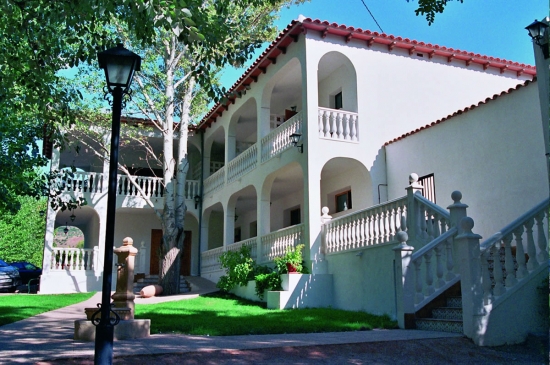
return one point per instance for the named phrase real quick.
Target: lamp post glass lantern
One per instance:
(537, 31)
(119, 65)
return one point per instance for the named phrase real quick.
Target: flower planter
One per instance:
(291, 269)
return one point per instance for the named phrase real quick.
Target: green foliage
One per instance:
(429, 8)
(16, 307)
(268, 281)
(227, 315)
(239, 268)
(22, 233)
(292, 257)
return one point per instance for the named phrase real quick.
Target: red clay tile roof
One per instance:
(303, 25)
(459, 112)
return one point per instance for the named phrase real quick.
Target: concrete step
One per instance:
(448, 325)
(153, 280)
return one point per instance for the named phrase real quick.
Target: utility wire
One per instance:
(372, 16)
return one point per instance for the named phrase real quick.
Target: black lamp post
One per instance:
(119, 65)
(537, 31)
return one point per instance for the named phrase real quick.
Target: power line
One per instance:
(372, 16)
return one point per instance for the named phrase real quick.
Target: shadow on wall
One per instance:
(301, 291)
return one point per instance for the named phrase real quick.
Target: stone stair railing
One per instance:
(528, 261)
(455, 253)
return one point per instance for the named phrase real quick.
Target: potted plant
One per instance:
(292, 261)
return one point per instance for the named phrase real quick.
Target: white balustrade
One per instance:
(152, 186)
(430, 219)
(210, 260)
(276, 243)
(338, 125)
(251, 243)
(192, 188)
(278, 140)
(242, 164)
(368, 227)
(520, 259)
(214, 181)
(425, 271)
(86, 182)
(73, 259)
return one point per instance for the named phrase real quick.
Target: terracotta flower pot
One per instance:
(151, 291)
(291, 269)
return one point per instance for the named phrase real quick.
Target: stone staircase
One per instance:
(185, 287)
(445, 312)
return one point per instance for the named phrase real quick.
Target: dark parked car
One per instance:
(9, 277)
(27, 271)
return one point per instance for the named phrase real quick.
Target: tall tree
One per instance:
(172, 89)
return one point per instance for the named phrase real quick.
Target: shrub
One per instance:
(239, 268)
(268, 281)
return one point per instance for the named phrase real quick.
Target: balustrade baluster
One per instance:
(339, 131)
(520, 253)
(436, 228)
(541, 238)
(429, 273)
(345, 127)
(450, 265)
(353, 122)
(531, 249)
(439, 266)
(486, 277)
(423, 225)
(419, 297)
(499, 288)
(429, 225)
(376, 232)
(509, 262)
(385, 227)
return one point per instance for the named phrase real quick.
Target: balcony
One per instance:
(94, 183)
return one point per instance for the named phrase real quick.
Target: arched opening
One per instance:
(346, 186)
(283, 94)
(337, 83)
(243, 129)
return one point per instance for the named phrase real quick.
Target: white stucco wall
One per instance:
(493, 154)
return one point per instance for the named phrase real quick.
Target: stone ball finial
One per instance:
(467, 224)
(324, 210)
(413, 178)
(402, 236)
(456, 196)
(128, 241)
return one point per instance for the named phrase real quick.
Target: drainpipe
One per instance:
(379, 185)
(201, 187)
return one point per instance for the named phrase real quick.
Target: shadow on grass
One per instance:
(222, 314)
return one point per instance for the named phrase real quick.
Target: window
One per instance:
(295, 217)
(428, 182)
(343, 201)
(338, 101)
(237, 237)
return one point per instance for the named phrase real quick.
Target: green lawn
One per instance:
(225, 315)
(15, 307)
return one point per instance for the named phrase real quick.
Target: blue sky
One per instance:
(489, 27)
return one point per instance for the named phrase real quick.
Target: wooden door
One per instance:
(156, 239)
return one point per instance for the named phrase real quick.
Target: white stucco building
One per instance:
(370, 110)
